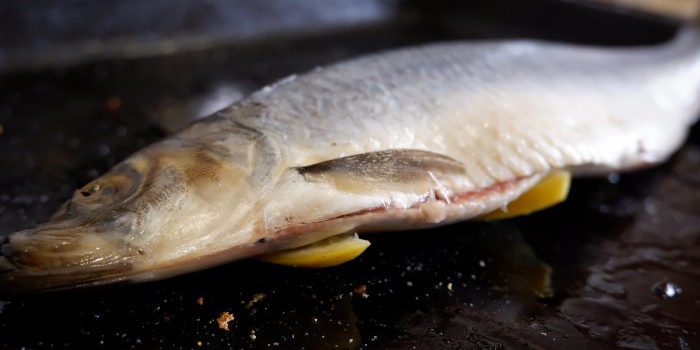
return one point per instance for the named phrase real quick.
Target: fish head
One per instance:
(147, 214)
(88, 236)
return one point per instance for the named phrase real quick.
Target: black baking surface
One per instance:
(622, 254)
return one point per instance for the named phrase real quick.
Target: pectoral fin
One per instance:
(326, 253)
(552, 190)
(401, 169)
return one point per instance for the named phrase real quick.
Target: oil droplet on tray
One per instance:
(666, 290)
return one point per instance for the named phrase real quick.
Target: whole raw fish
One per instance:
(403, 139)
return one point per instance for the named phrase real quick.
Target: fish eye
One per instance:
(112, 188)
(87, 191)
(105, 188)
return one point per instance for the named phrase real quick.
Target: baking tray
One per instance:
(616, 266)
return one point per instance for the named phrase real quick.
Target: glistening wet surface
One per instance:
(616, 266)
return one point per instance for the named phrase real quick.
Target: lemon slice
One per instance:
(328, 252)
(553, 189)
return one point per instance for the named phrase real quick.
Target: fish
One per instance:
(409, 138)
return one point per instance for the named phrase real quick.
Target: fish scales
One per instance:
(404, 139)
(455, 98)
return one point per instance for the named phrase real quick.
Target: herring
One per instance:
(404, 139)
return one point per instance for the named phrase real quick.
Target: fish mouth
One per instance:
(40, 260)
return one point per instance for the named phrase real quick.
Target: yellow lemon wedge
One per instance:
(553, 189)
(326, 253)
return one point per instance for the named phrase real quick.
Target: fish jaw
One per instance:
(56, 256)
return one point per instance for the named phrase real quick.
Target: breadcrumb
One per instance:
(224, 319)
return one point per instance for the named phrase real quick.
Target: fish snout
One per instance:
(49, 259)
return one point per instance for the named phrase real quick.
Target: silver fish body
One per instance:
(409, 138)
